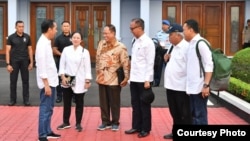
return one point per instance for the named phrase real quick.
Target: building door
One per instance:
(41, 11)
(3, 27)
(210, 19)
(222, 29)
(234, 26)
(208, 14)
(89, 19)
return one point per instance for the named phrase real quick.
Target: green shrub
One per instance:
(241, 65)
(239, 88)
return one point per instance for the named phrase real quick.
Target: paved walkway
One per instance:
(20, 123)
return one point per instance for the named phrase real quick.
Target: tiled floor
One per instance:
(20, 124)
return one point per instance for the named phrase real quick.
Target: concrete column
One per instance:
(12, 16)
(116, 17)
(144, 13)
(247, 11)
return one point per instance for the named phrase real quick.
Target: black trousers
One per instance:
(21, 66)
(141, 112)
(179, 107)
(67, 101)
(110, 102)
(58, 88)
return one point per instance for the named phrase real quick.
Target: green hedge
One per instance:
(239, 88)
(241, 65)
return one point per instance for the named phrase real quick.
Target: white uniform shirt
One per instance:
(176, 71)
(194, 81)
(76, 63)
(45, 63)
(142, 62)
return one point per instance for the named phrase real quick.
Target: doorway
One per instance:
(88, 18)
(217, 20)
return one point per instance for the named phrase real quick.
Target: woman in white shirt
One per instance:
(74, 64)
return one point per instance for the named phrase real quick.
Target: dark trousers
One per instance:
(45, 112)
(21, 66)
(59, 88)
(110, 100)
(67, 100)
(159, 67)
(141, 112)
(199, 109)
(179, 107)
(157, 74)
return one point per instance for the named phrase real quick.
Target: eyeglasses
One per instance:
(132, 28)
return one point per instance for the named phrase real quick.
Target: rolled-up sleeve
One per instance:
(206, 56)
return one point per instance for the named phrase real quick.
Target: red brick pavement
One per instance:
(20, 123)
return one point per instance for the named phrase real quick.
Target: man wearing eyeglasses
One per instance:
(141, 75)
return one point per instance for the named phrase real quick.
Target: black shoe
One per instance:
(63, 126)
(143, 134)
(59, 100)
(52, 135)
(12, 103)
(131, 131)
(78, 127)
(26, 103)
(43, 139)
(168, 136)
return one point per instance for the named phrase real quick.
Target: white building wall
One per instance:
(247, 11)
(149, 10)
(145, 10)
(116, 16)
(129, 9)
(155, 22)
(23, 10)
(12, 16)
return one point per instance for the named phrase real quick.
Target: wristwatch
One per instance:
(205, 85)
(7, 64)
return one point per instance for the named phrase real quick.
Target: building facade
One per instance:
(221, 21)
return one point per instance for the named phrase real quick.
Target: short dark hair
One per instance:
(46, 24)
(19, 21)
(139, 22)
(111, 28)
(191, 23)
(77, 32)
(248, 20)
(65, 22)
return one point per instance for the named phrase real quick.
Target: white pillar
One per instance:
(12, 16)
(115, 17)
(144, 13)
(247, 11)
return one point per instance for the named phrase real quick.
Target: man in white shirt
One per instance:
(141, 75)
(47, 79)
(175, 79)
(197, 81)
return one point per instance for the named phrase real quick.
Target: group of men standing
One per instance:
(187, 89)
